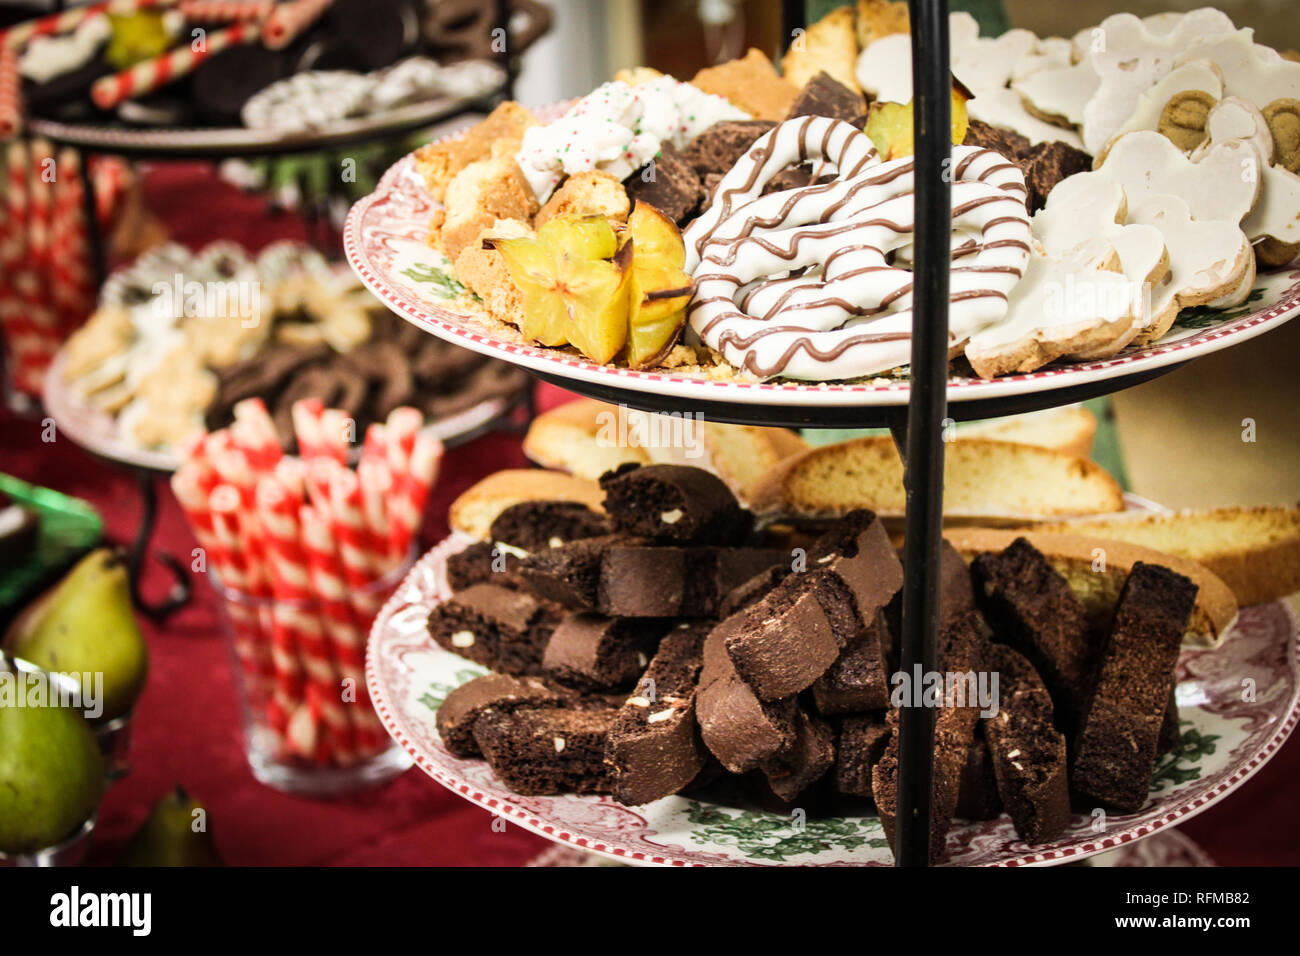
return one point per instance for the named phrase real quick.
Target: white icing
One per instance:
(1200, 75)
(618, 128)
(48, 57)
(1250, 71)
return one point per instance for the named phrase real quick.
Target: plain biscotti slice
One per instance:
(1070, 429)
(982, 478)
(1254, 551)
(1075, 559)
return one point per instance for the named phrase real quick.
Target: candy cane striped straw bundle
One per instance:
(225, 11)
(154, 74)
(305, 549)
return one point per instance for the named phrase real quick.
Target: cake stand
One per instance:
(386, 230)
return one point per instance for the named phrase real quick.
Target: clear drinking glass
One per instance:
(319, 737)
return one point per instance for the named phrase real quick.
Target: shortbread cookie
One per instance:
(829, 45)
(485, 272)
(750, 83)
(477, 197)
(879, 18)
(439, 162)
(591, 193)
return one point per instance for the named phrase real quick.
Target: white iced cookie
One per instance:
(1224, 184)
(1052, 53)
(1060, 307)
(1059, 92)
(1133, 58)
(1191, 88)
(1210, 263)
(1253, 72)
(802, 283)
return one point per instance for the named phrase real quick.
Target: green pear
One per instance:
(51, 771)
(85, 625)
(174, 834)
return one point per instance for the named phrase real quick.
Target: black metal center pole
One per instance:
(927, 405)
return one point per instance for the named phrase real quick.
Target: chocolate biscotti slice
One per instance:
(961, 651)
(534, 525)
(464, 705)
(794, 769)
(570, 574)
(739, 729)
(977, 793)
(1115, 751)
(1032, 610)
(494, 626)
(674, 504)
(547, 750)
(591, 652)
(664, 581)
(654, 747)
(1029, 758)
(858, 681)
(860, 745)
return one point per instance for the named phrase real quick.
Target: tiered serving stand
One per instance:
(387, 227)
(215, 144)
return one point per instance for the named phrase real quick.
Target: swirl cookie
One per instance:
(802, 283)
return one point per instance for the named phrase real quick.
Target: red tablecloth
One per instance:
(185, 727)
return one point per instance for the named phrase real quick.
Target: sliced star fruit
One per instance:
(660, 287)
(890, 124)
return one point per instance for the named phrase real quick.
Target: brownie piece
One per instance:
(654, 747)
(570, 574)
(859, 747)
(494, 626)
(1115, 750)
(1045, 165)
(782, 644)
(794, 769)
(1005, 141)
(718, 148)
(674, 504)
(858, 681)
(977, 792)
(824, 95)
(547, 750)
(480, 563)
(738, 728)
(1029, 759)
(962, 647)
(1033, 611)
(536, 525)
(590, 652)
(669, 183)
(464, 705)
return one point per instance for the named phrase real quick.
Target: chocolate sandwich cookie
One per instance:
(859, 746)
(376, 32)
(824, 95)
(494, 626)
(1033, 611)
(224, 82)
(1028, 752)
(674, 504)
(500, 692)
(716, 150)
(812, 752)
(547, 750)
(591, 652)
(858, 681)
(1115, 750)
(536, 525)
(740, 730)
(977, 793)
(654, 748)
(668, 183)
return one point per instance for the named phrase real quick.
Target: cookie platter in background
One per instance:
(280, 68)
(179, 338)
(1122, 233)
(602, 662)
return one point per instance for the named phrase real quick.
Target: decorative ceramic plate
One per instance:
(384, 239)
(1237, 705)
(99, 433)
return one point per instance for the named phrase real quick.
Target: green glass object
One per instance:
(69, 527)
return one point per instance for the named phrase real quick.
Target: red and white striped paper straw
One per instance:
(18, 34)
(226, 11)
(255, 434)
(288, 20)
(153, 74)
(11, 91)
